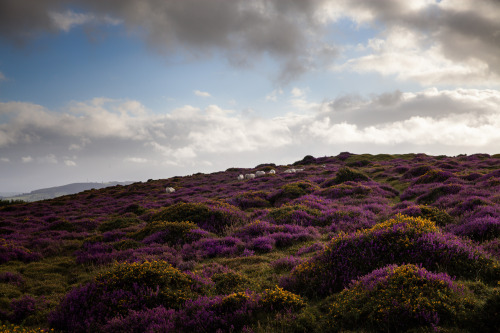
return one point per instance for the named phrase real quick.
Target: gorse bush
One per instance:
(398, 298)
(399, 240)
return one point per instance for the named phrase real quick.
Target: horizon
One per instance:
(128, 91)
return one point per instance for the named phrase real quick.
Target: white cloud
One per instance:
(407, 55)
(27, 159)
(5, 160)
(69, 163)
(202, 93)
(296, 92)
(136, 160)
(273, 96)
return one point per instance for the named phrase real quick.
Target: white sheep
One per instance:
(249, 176)
(170, 190)
(241, 177)
(272, 172)
(299, 170)
(260, 173)
(289, 171)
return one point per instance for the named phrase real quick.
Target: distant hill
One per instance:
(57, 191)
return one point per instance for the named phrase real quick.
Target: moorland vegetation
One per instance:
(358, 243)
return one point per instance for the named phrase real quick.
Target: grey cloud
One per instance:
(244, 31)
(397, 106)
(464, 33)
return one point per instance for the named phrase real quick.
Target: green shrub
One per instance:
(346, 174)
(126, 244)
(293, 190)
(436, 215)
(119, 223)
(295, 214)
(213, 216)
(174, 232)
(230, 282)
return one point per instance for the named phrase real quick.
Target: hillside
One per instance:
(58, 191)
(345, 243)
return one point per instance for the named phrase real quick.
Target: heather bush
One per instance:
(251, 199)
(283, 235)
(469, 205)
(213, 247)
(153, 320)
(398, 298)
(432, 195)
(492, 247)
(12, 278)
(399, 240)
(479, 229)
(212, 216)
(10, 251)
(124, 287)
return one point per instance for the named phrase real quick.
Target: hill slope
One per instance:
(274, 253)
(57, 191)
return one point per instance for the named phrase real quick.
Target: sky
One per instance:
(105, 90)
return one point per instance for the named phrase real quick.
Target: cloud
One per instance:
(446, 42)
(273, 96)
(69, 163)
(136, 160)
(27, 159)
(242, 31)
(5, 160)
(428, 41)
(115, 129)
(202, 93)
